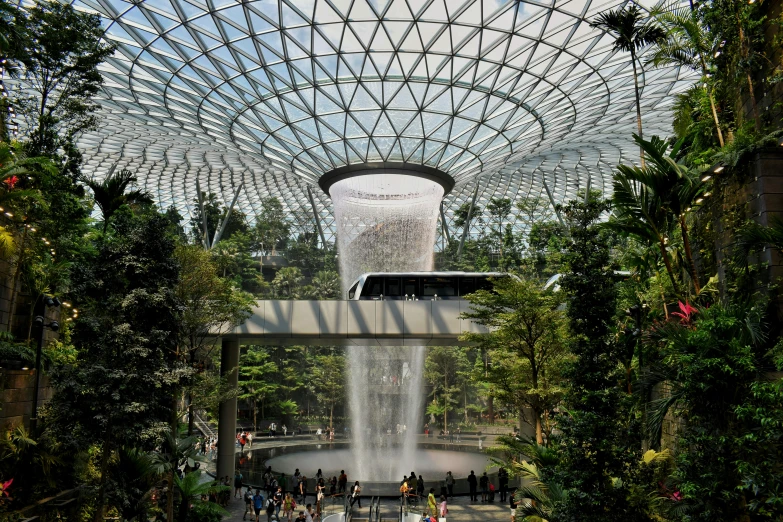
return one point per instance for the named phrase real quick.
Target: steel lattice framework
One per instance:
(522, 98)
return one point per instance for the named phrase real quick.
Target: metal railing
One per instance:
(375, 510)
(348, 512)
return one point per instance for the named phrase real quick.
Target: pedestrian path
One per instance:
(461, 509)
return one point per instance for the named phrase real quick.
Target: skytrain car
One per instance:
(420, 285)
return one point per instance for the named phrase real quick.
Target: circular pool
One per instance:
(429, 463)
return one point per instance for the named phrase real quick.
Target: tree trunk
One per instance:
(491, 407)
(539, 428)
(15, 281)
(712, 100)
(331, 416)
(101, 498)
(255, 414)
(170, 496)
(668, 263)
(687, 243)
(638, 104)
(191, 412)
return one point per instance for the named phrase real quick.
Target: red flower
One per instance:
(686, 312)
(4, 488)
(11, 182)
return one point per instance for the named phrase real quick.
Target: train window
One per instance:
(373, 288)
(410, 286)
(483, 283)
(467, 285)
(440, 286)
(352, 291)
(393, 287)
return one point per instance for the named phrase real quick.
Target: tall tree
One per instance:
(688, 43)
(214, 213)
(632, 31)
(61, 71)
(445, 368)
(329, 381)
(527, 337)
(272, 230)
(594, 444)
(256, 379)
(119, 390)
(112, 192)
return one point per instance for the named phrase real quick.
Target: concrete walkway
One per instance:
(460, 510)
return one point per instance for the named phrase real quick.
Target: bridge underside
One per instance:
(360, 323)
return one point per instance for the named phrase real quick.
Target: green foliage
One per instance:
(596, 443)
(20, 453)
(329, 381)
(527, 344)
(191, 490)
(271, 231)
(286, 284)
(112, 192)
(446, 369)
(59, 62)
(729, 443)
(215, 212)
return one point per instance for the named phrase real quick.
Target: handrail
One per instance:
(348, 513)
(375, 510)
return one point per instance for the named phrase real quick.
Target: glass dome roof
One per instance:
(521, 97)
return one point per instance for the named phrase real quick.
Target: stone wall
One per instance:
(16, 392)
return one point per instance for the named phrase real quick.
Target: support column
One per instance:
(227, 414)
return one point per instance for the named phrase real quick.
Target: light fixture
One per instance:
(25, 368)
(717, 168)
(706, 177)
(717, 53)
(9, 214)
(699, 200)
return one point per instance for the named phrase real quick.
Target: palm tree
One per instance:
(687, 44)
(173, 453)
(648, 201)
(111, 193)
(632, 31)
(191, 488)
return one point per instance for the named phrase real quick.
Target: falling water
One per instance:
(385, 223)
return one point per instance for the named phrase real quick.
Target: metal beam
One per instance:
(205, 236)
(467, 221)
(444, 225)
(552, 200)
(317, 217)
(222, 225)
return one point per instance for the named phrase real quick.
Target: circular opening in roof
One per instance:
(400, 178)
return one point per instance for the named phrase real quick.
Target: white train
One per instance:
(420, 285)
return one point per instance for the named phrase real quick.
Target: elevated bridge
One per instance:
(360, 323)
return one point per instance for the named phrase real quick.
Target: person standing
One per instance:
(450, 483)
(513, 504)
(503, 483)
(309, 513)
(472, 485)
(420, 486)
(242, 442)
(356, 491)
(303, 488)
(278, 498)
(484, 483)
(342, 482)
(432, 507)
(237, 484)
(333, 486)
(249, 440)
(285, 430)
(459, 432)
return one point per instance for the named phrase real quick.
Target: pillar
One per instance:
(227, 414)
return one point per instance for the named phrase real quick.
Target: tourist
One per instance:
(331, 435)
(282, 482)
(450, 483)
(242, 442)
(258, 503)
(513, 504)
(356, 491)
(503, 483)
(278, 498)
(333, 486)
(270, 509)
(318, 433)
(472, 485)
(491, 491)
(248, 503)
(319, 500)
(249, 438)
(289, 504)
(420, 486)
(342, 482)
(285, 430)
(484, 483)
(302, 488)
(459, 432)
(301, 517)
(432, 508)
(319, 475)
(237, 484)
(426, 431)
(309, 513)
(404, 489)
(444, 509)
(412, 482)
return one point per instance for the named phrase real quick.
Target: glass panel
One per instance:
(393, 287)
(483, 283)
(410, 286)
(467, 285)
(440, 286)
(352, 291)
(373, 288)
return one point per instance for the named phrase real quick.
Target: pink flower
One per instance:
(11, 182)
(686, 312)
